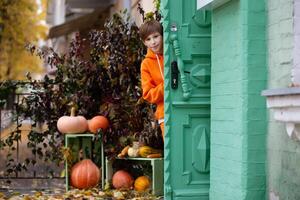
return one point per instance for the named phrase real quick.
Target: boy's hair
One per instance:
(150, 27)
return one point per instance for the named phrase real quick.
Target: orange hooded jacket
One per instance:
(152, 75)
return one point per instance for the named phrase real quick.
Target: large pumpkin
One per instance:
(98, 122)
(72, 124)
(122, 180)
(142, 183)
(85, 174)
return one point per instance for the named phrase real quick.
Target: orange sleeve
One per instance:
(151, 92)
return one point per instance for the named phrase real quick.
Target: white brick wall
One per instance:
(280, 42)
(296, 53)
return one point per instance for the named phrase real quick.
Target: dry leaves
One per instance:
(91, 194)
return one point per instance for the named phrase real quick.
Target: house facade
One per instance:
(252, 60)
(234, 55)
(232, 71)
(283, 156)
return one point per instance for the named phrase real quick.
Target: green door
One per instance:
(187, 39)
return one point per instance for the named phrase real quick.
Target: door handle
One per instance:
(175, 43)
(174, 75)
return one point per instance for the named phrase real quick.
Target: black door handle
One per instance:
(174, 75)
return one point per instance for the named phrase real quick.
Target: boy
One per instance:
(152, 68)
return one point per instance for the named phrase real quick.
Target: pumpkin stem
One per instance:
(73, 110)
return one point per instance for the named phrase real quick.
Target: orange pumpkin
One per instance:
(98, 122)
(122, 180)
(72, 124)
(85, 174)
(142, 183)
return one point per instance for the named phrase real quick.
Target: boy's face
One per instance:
(154, 41)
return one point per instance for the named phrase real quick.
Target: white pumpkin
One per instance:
(72, 124)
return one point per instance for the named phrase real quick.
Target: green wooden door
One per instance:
(187, 39)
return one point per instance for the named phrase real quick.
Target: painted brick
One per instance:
(257, 183)
(225, 150)
(273, 5)
(256, 101)
(257, 157)
(230, 139)
(286, 27)
(225, 70)
(255, 87)
(238, 112)
(223, 113)
(260, 72)
(231, 87)
(256, 114)
(257, 18)
(254, 30)
(227, 126)
(256, 7)
(255, 127)
(273, 43)
(233, 175)
(256, 46)
(283, 153)
(257, 194)
(227, 102)
(257, 169)
(273, 17)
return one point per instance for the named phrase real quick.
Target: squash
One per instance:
(142, 183)
(85, 174)
(144, 151)
(98, 122)
(124, 152)
(122, 180)
(134, 150)
(72, 124)
(155, 155)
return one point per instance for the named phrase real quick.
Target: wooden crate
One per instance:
(157, 165)
(84, 142)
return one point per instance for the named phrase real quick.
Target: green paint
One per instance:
(238, 114)
(187, 108)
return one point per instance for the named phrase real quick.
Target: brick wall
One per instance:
(238, 126)
(280, 42)
(225, 110)
(283, 153)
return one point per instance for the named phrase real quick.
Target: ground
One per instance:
(92, 194)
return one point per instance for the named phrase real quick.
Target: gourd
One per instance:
(85, 174)
(144, 151)
(98, 122)
(124, 152)
(142, 183)
(122, 180)
(134, 150)
(72, 124)
(155, 155)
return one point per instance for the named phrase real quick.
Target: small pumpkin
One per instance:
(72, 124)
(134, 150)
(98, 122)
(85, 174)
(142, 183)
(122, 180)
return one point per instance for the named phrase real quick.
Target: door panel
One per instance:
(187, 36)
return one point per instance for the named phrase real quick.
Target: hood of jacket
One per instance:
(152, 55)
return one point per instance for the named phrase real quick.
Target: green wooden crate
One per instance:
(84, 142)
(157, 165)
